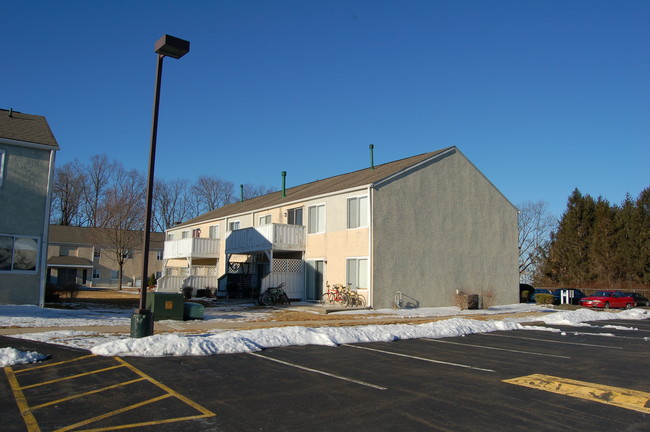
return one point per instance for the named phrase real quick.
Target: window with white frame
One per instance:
(170, 236)
(18, 253)
(265, 220)
(357, 273)
(115, 274)
(294, 216)
(97, 253)
(316, 219)
(97, 273)
(233, 226)
(185, 234)
(358, 212)
(214, 231)
(159, 255)
(2, 166)
(196, 233)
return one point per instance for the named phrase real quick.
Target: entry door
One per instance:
(314, 279)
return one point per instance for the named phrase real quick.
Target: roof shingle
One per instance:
(26, 127)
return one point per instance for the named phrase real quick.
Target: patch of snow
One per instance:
(11, 356)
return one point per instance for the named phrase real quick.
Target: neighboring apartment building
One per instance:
(27, 153)
(85, 256)
(424, 226)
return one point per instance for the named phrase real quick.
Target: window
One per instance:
(97, 253)
(233, 226)
(2, 166)
(358, 212)
(159, 255)
(294, 216)
(158, 275)
(357, 273)
(265, 220)
(316, 222)
(214, 231)
(18, 253)
(97, 273)
(196, 233)
(170, 236)
(115, 274)
(185, 234)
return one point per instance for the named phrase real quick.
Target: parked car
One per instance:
(574, 295)
(639, 300)
(538, 291)
(608, 299)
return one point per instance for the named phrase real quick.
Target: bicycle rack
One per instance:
(398, 303)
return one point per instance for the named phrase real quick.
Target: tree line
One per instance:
(104, 194)
(598, 244)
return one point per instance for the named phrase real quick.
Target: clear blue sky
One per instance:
(542, 96)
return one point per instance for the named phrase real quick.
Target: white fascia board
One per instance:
(28, 144)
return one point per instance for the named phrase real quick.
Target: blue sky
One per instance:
(542, 96)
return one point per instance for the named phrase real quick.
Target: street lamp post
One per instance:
(166, 46)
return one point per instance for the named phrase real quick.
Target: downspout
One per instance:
(46, 230)
(371, 265)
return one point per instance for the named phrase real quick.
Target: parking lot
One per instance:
(583, 378)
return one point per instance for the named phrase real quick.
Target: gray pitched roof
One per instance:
(341, 182)
(92, 236)
(26, 127)
(69, 261)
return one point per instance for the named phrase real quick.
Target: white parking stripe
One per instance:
(496, 349)
(320, 372)
(420, 358)
(550, 341)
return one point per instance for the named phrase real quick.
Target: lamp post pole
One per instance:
(142, 319)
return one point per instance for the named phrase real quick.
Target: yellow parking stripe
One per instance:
(70, 377)
(620, 397)
(112, 413)
(31, 369)
(122, 384)
(150, 423)
(30, 421)
(206, 413)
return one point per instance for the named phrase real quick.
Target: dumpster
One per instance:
(165, 306)
(193, 311)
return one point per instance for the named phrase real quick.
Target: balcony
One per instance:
(191, 248)
(266, 237)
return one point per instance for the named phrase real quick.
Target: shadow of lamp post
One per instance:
(142, 319)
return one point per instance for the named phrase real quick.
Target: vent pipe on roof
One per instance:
(11, 112)
(372, 156)
(284, 184)
(241, 193)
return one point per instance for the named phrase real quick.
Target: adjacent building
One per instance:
(27, 154)
(90, 257)
(419, 229)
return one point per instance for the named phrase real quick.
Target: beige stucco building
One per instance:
(86, 256)
(423, 227)
(27, 153)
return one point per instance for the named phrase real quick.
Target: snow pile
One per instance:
(34, 316)
(11, 356)
(255, 340)
(580, 316)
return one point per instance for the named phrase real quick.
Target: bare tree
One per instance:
(121, 214)
(535, 227)
(170, 203)
(212, 192)
(98, 177)
(252, 190)
(67, 194)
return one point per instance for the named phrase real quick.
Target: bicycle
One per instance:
(355, 299)
(274, 295)
(335, 295)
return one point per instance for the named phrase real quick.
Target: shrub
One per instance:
(460, 300)
(544, 298)
(487, 297)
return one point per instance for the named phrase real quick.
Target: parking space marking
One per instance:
(363, 383)
(496, 349)
(29, 412)
(549, 341)
(421, 358)
(624, 398)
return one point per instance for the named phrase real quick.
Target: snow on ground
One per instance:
(11, 356)
(241, 341)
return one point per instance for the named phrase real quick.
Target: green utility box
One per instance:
(193, 311)
(165, 306)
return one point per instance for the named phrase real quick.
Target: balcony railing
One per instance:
(192, 247)
(266, 237)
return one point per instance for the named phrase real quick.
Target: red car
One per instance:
(608, 299)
